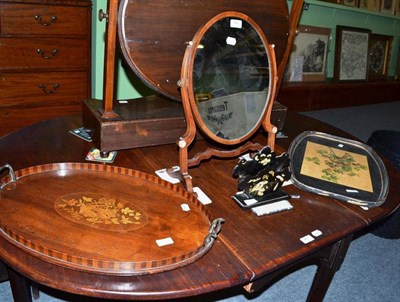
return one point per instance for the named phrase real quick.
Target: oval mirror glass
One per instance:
(230, 79)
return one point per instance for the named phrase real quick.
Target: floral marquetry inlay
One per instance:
(100, 211)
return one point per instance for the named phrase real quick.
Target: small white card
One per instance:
(307, 239)
(163, 174)
(287, 183)
(316, 233)
(164, 241)
(201, 196)
(185, 207)
(251, 201)
(246, 156)
(231, 41)
(236, 23)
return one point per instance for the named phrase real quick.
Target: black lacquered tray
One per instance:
(338, 167)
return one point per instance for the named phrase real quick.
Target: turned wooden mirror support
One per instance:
(219, 87)
(109, 59)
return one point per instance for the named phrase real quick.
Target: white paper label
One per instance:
(236, 23)
(307, 239)
(231, 41)
(250, 201)
(246, 157)
(185, 207)
(201, 196)
(163, 174)
(164, 241)
(287, 183)
(316, 233)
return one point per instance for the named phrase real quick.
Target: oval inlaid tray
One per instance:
(103, 219)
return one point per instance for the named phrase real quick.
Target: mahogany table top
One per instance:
(248, 247)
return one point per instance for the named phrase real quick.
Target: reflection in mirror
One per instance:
(228, 84)
(231, 78)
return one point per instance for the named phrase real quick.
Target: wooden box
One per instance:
(142, 122)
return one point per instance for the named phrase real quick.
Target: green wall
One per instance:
(128, 86)
(319, 13)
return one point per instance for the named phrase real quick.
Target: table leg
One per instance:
(20, 286)
(327, 269)
(328, 261)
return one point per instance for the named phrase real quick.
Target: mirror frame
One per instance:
(189, 65)
(192, 114)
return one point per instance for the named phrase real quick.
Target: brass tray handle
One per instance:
(215, 228)
(41, 52)
(48, 91)
(39, 19)
(209, 241)
(13, 178)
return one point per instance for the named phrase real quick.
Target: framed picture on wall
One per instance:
(363, 4)
(371, 5)
(351, 54)
(379, 56)
(388, 6)
(352, 3)
(398, 8)
(397, 72)
(309, 53)
(332, 1)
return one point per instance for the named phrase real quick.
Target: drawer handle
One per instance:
(41, 52)
(48, 91)
(39, 19)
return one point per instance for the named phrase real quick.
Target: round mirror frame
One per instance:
(187, 81)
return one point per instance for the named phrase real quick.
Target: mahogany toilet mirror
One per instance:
(228, 85)
(153, 37)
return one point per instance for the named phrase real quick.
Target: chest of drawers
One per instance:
(45, 59)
